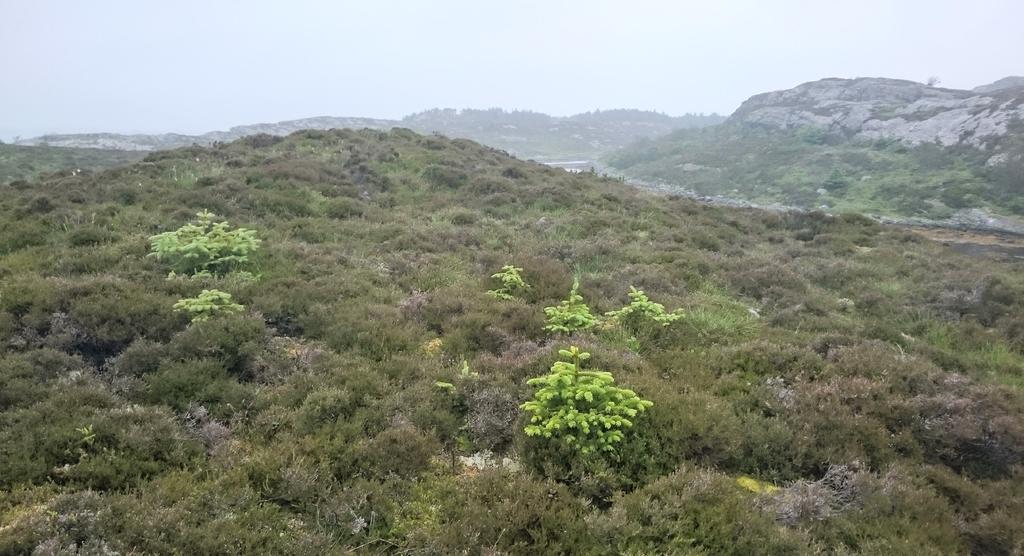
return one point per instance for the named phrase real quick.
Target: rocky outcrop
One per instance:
(1011, 82)
(878, 108)
(115, 141)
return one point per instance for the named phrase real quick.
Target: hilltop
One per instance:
(820, 384)
(883, 146)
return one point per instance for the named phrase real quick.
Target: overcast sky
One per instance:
(194, 66)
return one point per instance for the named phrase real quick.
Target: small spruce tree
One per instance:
(208, 304)
(581, 409)
(205, 246)
(570, 315)
(641, 308)
(512, 283)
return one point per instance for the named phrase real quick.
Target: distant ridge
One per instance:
(523, 133)
(150, 142)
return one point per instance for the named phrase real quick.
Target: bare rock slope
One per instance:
(879, 108)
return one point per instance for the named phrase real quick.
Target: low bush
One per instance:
(524, 515)
(444, 176)
(693, 510)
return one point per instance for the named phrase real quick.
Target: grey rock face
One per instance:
(1013, 81)
(877, 108)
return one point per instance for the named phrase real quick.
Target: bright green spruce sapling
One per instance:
(512, 283)
(641, 308)
(208, 304)
(570, 315)
(582, 409)
(205, 246)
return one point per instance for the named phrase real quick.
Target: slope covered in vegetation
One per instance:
(536, 135)
(794, 383)
(883, 146)
(20, 162)
(812, 169)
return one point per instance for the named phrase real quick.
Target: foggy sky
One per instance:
(194, 66)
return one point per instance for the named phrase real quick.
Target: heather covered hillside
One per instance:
(384, 342)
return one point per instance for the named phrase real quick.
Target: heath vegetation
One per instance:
(804, 383)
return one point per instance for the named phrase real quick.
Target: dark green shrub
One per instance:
(22, 232)
(376, 457)
(523, 515)
(344, 207)
(465, 217)
(285, 203)
(760, 359)
(325, 407)
(80, 435)
(474, 332)
(113, 314)
(25, 377)
(235, 341)
(692, 511)
(39, 205)
(513, 172)
(89, 236)
(140, 358)
(970, 430)
(32, 296)
(201, 381)
(444, 176)
(548, 277)
(130, 446)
